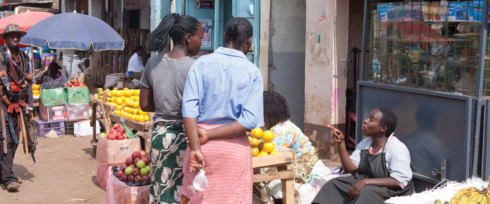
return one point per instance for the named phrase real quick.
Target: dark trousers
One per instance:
(7, 160)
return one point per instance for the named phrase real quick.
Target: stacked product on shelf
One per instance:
(62, 103)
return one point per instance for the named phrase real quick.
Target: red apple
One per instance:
(123, 177)
(129, 161)
(124, 166)
(145, 179)
(136, 154)
(145, 159)
(136, 171)
(120, 173)
(116, 125)
(120, 137)
(135, 161)
(132, 166)
(143, 153)
(137, 178)
(130, 178)
(125, 136)
(149, 158)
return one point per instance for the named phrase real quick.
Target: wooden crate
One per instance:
(285, 171)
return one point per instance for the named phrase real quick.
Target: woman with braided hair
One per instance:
(162, 85)
(286, 133)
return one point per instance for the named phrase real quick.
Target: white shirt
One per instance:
(135, 64)
(397, 158)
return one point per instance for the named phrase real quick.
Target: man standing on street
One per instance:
(15, 81)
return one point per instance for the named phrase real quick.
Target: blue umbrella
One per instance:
(73, 31)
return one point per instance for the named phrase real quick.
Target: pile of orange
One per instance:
(36, 90)
(261, 142)
(127, 102)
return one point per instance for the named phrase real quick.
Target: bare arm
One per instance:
(226, 131)
(381, 182)
(347, 163)
(147, 103)
(196, 156)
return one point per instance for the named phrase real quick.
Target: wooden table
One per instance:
(284, 164)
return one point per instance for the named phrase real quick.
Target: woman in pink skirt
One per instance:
(222, 99)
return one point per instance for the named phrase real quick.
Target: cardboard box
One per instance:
(78, 112)
(83, 128)
(52, 114)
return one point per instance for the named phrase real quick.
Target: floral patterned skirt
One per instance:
(168, 147)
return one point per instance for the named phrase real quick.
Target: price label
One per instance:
(121, 119)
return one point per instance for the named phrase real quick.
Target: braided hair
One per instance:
(175, 26)
(238, 31)
(276, 109)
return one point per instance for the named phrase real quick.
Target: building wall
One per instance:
(325, 77)
(286, 73)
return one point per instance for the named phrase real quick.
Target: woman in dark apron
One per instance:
(380, 166)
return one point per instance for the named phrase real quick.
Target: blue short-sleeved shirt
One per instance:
(223, 87)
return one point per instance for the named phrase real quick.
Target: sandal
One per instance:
(12, 187)
(20, 181)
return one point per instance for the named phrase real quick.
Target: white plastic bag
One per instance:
(318, 171)
(200, 181)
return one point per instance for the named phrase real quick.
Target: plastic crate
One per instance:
(44, 127)
(70, 127)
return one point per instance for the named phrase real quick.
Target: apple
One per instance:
(140, 164)
(130, 178)
(128, 171)
(129, 161)
(102, 135)
(148, 167)
(145, 179)
(123, 177)
(116, 126)
(119, 173)
(142, 153)
(136, 171)
(120, 137)
(149, 158)
(137, 178)
(124, 166)
(135, 161)
(144, 171)
(145, 160)
(125, 136)
(132, 166)
(136, 154)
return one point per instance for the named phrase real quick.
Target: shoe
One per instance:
(13, 187)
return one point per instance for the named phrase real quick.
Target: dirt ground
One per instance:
(65, 172)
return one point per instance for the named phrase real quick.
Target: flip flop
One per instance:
(13, 187)
(20, 181)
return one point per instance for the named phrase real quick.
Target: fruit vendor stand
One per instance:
(428, 62)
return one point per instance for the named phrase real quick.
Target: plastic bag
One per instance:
(119, 192)
(53, 97)
(318, 171)
(112, 80)
(200, 181)
(78, 95)
(114, 152)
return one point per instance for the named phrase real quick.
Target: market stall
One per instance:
(427, 61)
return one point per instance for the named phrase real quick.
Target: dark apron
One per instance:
(370, 166)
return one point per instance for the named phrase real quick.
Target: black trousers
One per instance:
(7, 160)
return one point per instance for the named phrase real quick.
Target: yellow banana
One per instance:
(453, 201)
(487, 196)
(464, 191)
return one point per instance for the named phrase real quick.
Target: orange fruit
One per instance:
(119, 108)
(117, 112)
(262, 153)
(274, 152)
(257, 133)
(268, 136)
(119, 101)
(254, 142)
(136, 104)
(119, 93)
(126, 109)
(127, 93)
(255, 152)
(147, 117)
(140, 111)
(141, 118)
(268, 147)
(135, 111)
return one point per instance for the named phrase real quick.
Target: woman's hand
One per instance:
(337, 135)
(196, 160)
(355, 189)
(203, 136)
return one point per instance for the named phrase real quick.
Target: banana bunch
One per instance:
(471, 195)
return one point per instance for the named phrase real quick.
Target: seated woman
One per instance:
(380, 165)
(286, 133)
(53, 75)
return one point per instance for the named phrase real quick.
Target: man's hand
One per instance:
(356, 188)
(203, 136)
(337, 135)
(196, 160)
